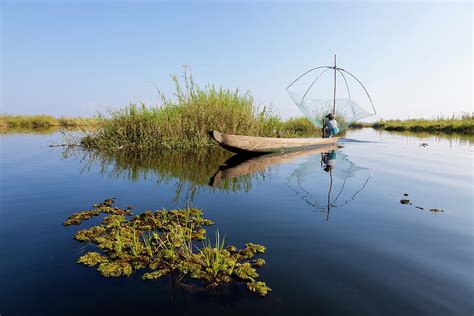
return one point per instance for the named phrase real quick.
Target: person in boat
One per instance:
(332, 127)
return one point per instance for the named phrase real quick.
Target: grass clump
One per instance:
(299, 127)
(184, 121)
(457, 123)
(164, 242)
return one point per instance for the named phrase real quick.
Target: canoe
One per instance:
(253, 144)
(242, 164)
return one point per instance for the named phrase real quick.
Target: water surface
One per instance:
(338, 239)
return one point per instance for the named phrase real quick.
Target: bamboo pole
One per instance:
(334, 103)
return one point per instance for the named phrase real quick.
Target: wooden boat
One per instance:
(242, 164)
(252, 144)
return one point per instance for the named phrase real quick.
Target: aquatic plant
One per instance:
(104, 207)
(92, 259)
(184, 121)
(218, 262)
(406, 201)
(259, 287)
(246, 272)
(258, 262)
(115, 268)
(163, 242)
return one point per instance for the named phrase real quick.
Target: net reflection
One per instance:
(328, 181)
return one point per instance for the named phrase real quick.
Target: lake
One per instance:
(338, 239)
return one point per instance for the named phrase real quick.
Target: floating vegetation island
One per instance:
(164, 242)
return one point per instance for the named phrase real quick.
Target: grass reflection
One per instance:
(188, 170)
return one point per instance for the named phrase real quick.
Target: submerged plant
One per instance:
(164, 242)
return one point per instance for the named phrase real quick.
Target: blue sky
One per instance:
(78, 58)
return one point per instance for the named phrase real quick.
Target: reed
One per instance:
(184, 121)
(213, 258)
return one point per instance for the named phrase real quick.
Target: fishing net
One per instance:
(313, 93)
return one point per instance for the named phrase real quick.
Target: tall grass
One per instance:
(457, 123)
(299, 126)
(184, 121)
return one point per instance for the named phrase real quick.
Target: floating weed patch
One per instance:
(406, 201)
(259, 287)
(104, 207)
(92, 259)
(163, 242)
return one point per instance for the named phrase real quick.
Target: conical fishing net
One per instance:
(313, 93)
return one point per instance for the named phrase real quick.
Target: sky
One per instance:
(79, 58)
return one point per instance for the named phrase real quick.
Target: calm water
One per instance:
(338, 240)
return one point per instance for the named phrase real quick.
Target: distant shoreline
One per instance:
(462, 124)
(454, 125)
(33, 122)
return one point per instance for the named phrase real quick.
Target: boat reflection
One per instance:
(244, 164)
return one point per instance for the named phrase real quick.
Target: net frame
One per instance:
(320, 107)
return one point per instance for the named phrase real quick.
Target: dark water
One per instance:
(368, 254)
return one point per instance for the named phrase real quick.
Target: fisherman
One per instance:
(331, 127)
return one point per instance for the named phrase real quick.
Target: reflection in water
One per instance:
(320, 179)
(245, 164)
(310, 183)
(45, 130)
(465, 139)
(189, 170)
